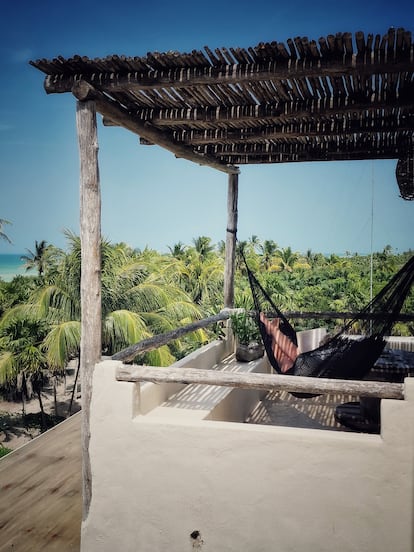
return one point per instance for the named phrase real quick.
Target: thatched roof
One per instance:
(342, 97)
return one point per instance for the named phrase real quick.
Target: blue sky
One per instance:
(149, 198)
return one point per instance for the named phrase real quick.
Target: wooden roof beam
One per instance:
(236, 74)
(282, 112)
(237, 137)
(282, 155)
(110, 109)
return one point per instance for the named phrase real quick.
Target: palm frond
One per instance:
(32, 359)
(53, 302)
(7, 367)
(17, 313)
(123, 328)
(61, 343)
(159, 357)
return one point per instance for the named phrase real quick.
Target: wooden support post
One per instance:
(229, 270)
(90, 235)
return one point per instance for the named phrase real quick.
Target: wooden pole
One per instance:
(268, 382)
(90, 235)
(229, 270)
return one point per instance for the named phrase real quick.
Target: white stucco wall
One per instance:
(160, 476)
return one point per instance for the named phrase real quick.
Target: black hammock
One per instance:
(341, 356)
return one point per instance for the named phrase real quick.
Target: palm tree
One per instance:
(203, 246)
(62, 343)
(290, 260)
(241, 251)
(36, 259)
(311, 258)
(221, 248)
(139, 298)
(201, 277)
(4, 236)
(178, 250)
(268, 249)
(386, 262)
(254, 243)
(22, 361)
(244, 250)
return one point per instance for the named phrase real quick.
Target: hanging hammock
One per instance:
(342, 356)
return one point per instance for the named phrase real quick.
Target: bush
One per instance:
(4, 450)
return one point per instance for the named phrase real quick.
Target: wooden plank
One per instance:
(40, 490)
(295, 384)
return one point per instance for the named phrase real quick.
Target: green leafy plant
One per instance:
(244, 328)
(4, 450)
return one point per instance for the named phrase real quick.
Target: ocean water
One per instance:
(11, 266)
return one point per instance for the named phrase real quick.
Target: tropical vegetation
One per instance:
(145, 293)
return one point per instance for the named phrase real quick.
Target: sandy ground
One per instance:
(16, 430)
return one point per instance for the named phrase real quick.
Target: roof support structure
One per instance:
(91, 309)
(111, 110)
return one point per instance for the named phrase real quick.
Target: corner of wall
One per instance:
(117, 398)
(409, 389)
(397, 416)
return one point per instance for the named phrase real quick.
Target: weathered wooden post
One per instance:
(229, 270)
(90, 234)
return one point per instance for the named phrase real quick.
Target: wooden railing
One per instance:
(265, 382)
(158, 340)
(270, 382)
(151, 343)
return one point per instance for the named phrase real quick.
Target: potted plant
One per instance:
(246, 333)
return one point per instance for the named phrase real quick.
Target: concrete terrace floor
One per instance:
(283, 409)
(40, 492)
